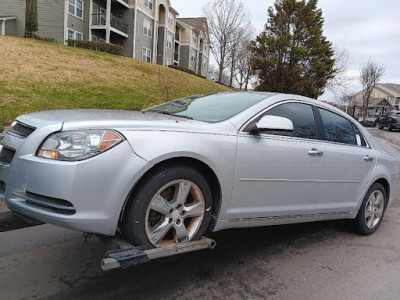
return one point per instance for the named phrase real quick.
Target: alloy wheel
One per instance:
(374, 209)
(175, 213)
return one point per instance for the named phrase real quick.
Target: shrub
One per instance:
(98, 46)
(183, 69)
(45, 39)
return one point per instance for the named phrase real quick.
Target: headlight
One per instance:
(78, 145)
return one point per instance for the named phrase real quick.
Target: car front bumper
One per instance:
(87, 195)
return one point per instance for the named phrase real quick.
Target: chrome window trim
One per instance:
(241, 131)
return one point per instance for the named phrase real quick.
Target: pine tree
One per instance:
(31, 18)
(291, 55)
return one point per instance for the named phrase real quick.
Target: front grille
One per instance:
(6, 155)
(49, 204)
(20, 129)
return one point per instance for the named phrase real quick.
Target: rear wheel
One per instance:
(372, 210)
(171, 207)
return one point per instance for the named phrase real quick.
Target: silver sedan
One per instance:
(171, 173)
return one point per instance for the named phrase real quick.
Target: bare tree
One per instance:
(244, 70)
(212, 73)
(225, 18)
(346, 99)
(242, 37)
(339, 82)
(370, 74)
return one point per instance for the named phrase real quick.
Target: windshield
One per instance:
(211, 107)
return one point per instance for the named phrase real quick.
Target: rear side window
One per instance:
(302, 117)
(338, 129)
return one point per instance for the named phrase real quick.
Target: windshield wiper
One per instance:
(171, 114)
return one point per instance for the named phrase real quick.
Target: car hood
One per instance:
(117, 119)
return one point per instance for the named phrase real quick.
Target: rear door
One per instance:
(348, 165)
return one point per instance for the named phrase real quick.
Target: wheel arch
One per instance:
(200, 166)
(385, 185)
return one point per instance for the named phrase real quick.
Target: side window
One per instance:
(301, 116)
(337, 129)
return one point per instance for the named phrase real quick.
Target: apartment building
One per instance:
(149, 30)
(384, 97)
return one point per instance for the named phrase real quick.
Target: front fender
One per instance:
(215, 150)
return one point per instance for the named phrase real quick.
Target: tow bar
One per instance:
(121, 253)
(127, 255)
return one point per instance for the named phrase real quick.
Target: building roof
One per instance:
(374, 102)
(196, 23)
(389, 88)
(394, 87)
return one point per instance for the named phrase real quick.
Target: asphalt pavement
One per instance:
(324, 260)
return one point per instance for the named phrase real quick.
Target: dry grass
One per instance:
(36, 75)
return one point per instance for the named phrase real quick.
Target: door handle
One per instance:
(368, 158)
(315, 152)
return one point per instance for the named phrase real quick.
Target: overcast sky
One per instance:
(365, 28)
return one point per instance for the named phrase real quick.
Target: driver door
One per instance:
(278, 174)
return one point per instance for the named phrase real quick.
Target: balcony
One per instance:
(119, 24)
(116, 23)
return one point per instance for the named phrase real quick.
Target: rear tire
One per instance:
(372, 210)
(172, 206)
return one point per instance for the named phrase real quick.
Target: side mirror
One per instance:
(272, 123)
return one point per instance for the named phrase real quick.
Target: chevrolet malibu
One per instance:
(171, 173)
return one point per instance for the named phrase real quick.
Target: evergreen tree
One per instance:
(31, 18)
(291, 55)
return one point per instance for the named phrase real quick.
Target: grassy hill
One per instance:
(36, 75)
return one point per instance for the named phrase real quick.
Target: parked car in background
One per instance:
(391, 120)
(171, 173)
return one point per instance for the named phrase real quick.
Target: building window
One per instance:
(71, 7)
(194, 38)
(103, 14)
(147, 28)
(148, 4)
(193, 56)
(146, 54)
(170, 18)
(170, 38)
(75, 8)
(169, 62)
(74, 35)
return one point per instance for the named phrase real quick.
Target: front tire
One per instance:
(372, 210)
(172, 206)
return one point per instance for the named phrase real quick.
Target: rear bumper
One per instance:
(86, 196)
